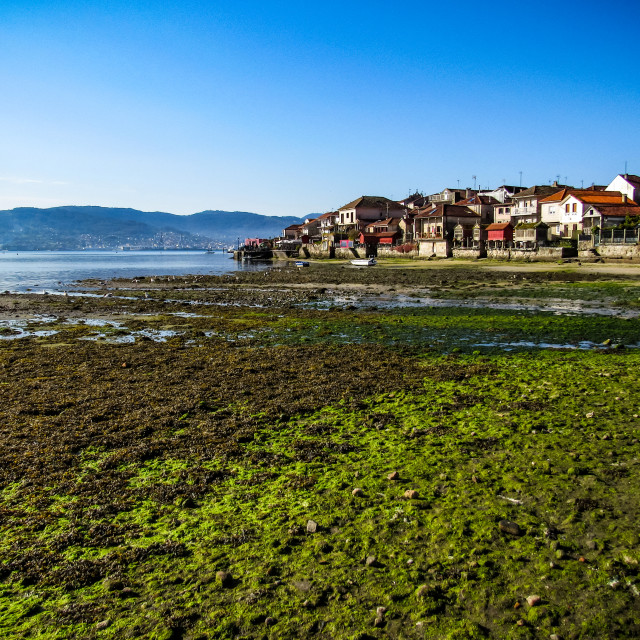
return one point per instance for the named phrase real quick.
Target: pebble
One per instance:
(534, 601)
(370, 561)
(103, 625)
(411, 494)
(312, 526)
(224, 578)
(511, 528)
(357, 492)
(394, 475)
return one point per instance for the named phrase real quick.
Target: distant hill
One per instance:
(72, 227)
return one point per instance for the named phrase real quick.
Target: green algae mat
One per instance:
(289, 472)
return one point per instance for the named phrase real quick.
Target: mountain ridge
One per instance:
(92, 226)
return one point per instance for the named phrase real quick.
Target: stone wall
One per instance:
(469, 253)
(539, 254)
(631, 251)
(437, 248)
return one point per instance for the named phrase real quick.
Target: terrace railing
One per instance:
(616, 236)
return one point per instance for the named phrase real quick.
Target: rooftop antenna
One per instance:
(558, 178)
(582, 184)
(459, 178)
(520, 172)
(566, 180)
(474, 182)
(625, 167)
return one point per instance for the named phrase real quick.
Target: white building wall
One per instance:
(620, 184)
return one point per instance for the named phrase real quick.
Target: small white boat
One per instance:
(302, 263)
(364, 262)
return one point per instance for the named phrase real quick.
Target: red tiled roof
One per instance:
(381, 234)
(477, 199)
(450, 210)
(373, 202)
(498, 226)
(619, 210)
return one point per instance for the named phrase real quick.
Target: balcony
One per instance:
(524, 211)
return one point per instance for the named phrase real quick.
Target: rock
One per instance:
(112, 585)
(520, 622)
(422, 591)
(554, 636)
(380, 611)
(302, 585)
(534, 601)
(312, 526)
(511, 528)
(103, 625)
(370, 561)
(224, 578)
(394, 475)
(411, 494)
(357, 492)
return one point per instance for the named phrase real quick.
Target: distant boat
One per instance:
(364, 262)
(302, 263)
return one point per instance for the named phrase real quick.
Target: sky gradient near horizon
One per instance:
(290, 108)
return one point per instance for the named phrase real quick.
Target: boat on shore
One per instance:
(364, 262)
(302, 263)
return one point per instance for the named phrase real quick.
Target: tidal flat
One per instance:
(325, 452)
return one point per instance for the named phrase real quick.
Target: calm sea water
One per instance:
(58, 270)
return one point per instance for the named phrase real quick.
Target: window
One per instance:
(574, 207)
(566, 208)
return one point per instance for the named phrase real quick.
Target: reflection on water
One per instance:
(53, 271)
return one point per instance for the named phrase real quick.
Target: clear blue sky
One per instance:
(287, 108)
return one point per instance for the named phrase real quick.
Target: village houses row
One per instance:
(465, 217)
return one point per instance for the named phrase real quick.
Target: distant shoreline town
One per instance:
(548, 221)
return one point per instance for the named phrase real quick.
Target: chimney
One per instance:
(624, 198)
(555, 183)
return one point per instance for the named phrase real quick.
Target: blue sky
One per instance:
(286, 108)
